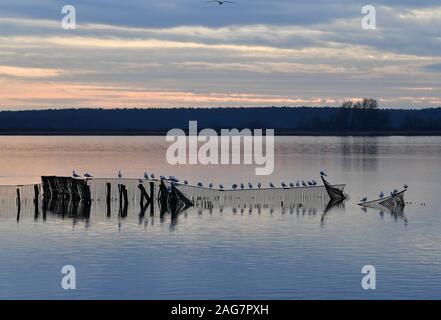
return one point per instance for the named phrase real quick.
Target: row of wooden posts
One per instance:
(61, 194)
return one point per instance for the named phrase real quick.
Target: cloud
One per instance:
(184, 52)
(20, 72)
(433, 67)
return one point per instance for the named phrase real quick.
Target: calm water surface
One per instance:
(229, 254)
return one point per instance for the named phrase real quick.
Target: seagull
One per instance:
(259, 185)
(119, 174)
(146, 175)
(309, 183)
(211, 185)
(221, 186)
(314, 183)
(283, 184)
(272, 185)
(75, 175)
(250, 185)
(88, 175)
(234, 186)
(304, 183)
(185, 182)
(298, 183)
(162, 178)
(406, 186)
(152, 176)
(242, 186)
(291, 185)
(395, 191)
(322, 173)
(381, 195)
(221, 2)
(200, 184)
(364, 199)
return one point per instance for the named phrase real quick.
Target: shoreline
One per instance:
(277, 132)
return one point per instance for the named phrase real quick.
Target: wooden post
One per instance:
(152, 196)
(18, 204)
(108, 198)
(36, 198)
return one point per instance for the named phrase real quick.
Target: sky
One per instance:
(191, 53)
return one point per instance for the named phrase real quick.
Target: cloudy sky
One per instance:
(144, 53)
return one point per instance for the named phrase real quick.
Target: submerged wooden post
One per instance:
(108, 197)
(18, 204)
(152, 196)
(36, 197)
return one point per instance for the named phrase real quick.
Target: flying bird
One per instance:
(221, 2)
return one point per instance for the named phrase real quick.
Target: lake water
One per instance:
(229, 253)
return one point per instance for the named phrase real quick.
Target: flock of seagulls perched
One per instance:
(381, 195)
(174, 180)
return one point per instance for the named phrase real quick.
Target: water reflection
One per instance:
(360, 153)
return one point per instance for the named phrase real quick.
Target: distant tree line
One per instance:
(359, 117)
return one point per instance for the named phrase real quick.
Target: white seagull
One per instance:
(88, 175)
(75, 175)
